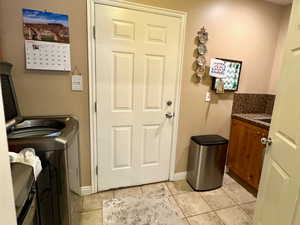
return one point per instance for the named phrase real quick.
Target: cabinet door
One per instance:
(245, 154)
(256, 157)
(237, 155)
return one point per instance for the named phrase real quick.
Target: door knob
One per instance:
(266, 141)
(169, 115)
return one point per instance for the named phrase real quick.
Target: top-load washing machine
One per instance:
(56, 142)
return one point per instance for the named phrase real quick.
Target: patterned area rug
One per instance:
(144, 210)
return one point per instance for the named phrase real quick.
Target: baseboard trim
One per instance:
(86, 190)
(179, 176)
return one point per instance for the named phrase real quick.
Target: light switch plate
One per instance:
(77, 83)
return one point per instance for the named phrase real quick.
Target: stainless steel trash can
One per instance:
(206, 162)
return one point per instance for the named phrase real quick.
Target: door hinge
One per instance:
(94, 32)
(96, 170)
(95, 106)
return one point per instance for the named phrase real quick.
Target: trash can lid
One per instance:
(209, 140)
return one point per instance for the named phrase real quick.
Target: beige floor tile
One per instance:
(228, 179)
(217, 199)
(91, 218)
(107, 195)
(94, 201)
(128, 192)
(158, 190)
(179, 187)
(234, 216)
(239, 194)
(192, 203)
(205, 219)
(77, 202)
(249, 208)
(175, 206)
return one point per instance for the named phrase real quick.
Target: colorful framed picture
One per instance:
(231, 72)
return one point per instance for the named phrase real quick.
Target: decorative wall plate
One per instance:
(203, 36)
(201, 60)
(201, 69)
(202, 49)
(203, 39)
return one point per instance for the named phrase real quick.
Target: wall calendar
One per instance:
(47, 56)
(47, 44)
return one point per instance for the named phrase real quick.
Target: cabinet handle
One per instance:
(266, 141)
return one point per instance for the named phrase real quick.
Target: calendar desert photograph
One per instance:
(45, 26)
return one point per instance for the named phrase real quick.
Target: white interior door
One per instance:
(136, 73)
(279, 192)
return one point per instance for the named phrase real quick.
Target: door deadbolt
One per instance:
(169, 103)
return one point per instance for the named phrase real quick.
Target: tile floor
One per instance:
(229, 205)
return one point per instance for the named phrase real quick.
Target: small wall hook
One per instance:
(76, 71)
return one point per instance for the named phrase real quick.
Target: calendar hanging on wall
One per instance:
(47, 44)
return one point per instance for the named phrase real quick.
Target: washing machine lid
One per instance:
(11, 108)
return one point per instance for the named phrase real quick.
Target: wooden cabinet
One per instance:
(245, 154)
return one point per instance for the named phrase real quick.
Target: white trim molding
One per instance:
(86, 190)
(92, 96)
(179, 176)
(183, 17)
(92, 78)
(141, 7)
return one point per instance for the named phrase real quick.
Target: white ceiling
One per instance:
(281, 2)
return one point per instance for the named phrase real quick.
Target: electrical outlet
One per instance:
(208, 96)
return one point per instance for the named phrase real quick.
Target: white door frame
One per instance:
(92, 77)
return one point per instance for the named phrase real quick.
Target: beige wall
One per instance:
(49, 93)
(239, 29)
(278, 58)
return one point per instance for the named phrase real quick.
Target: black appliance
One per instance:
(25, 194)
(56, 142)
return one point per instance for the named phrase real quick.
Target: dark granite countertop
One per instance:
(252, 118)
